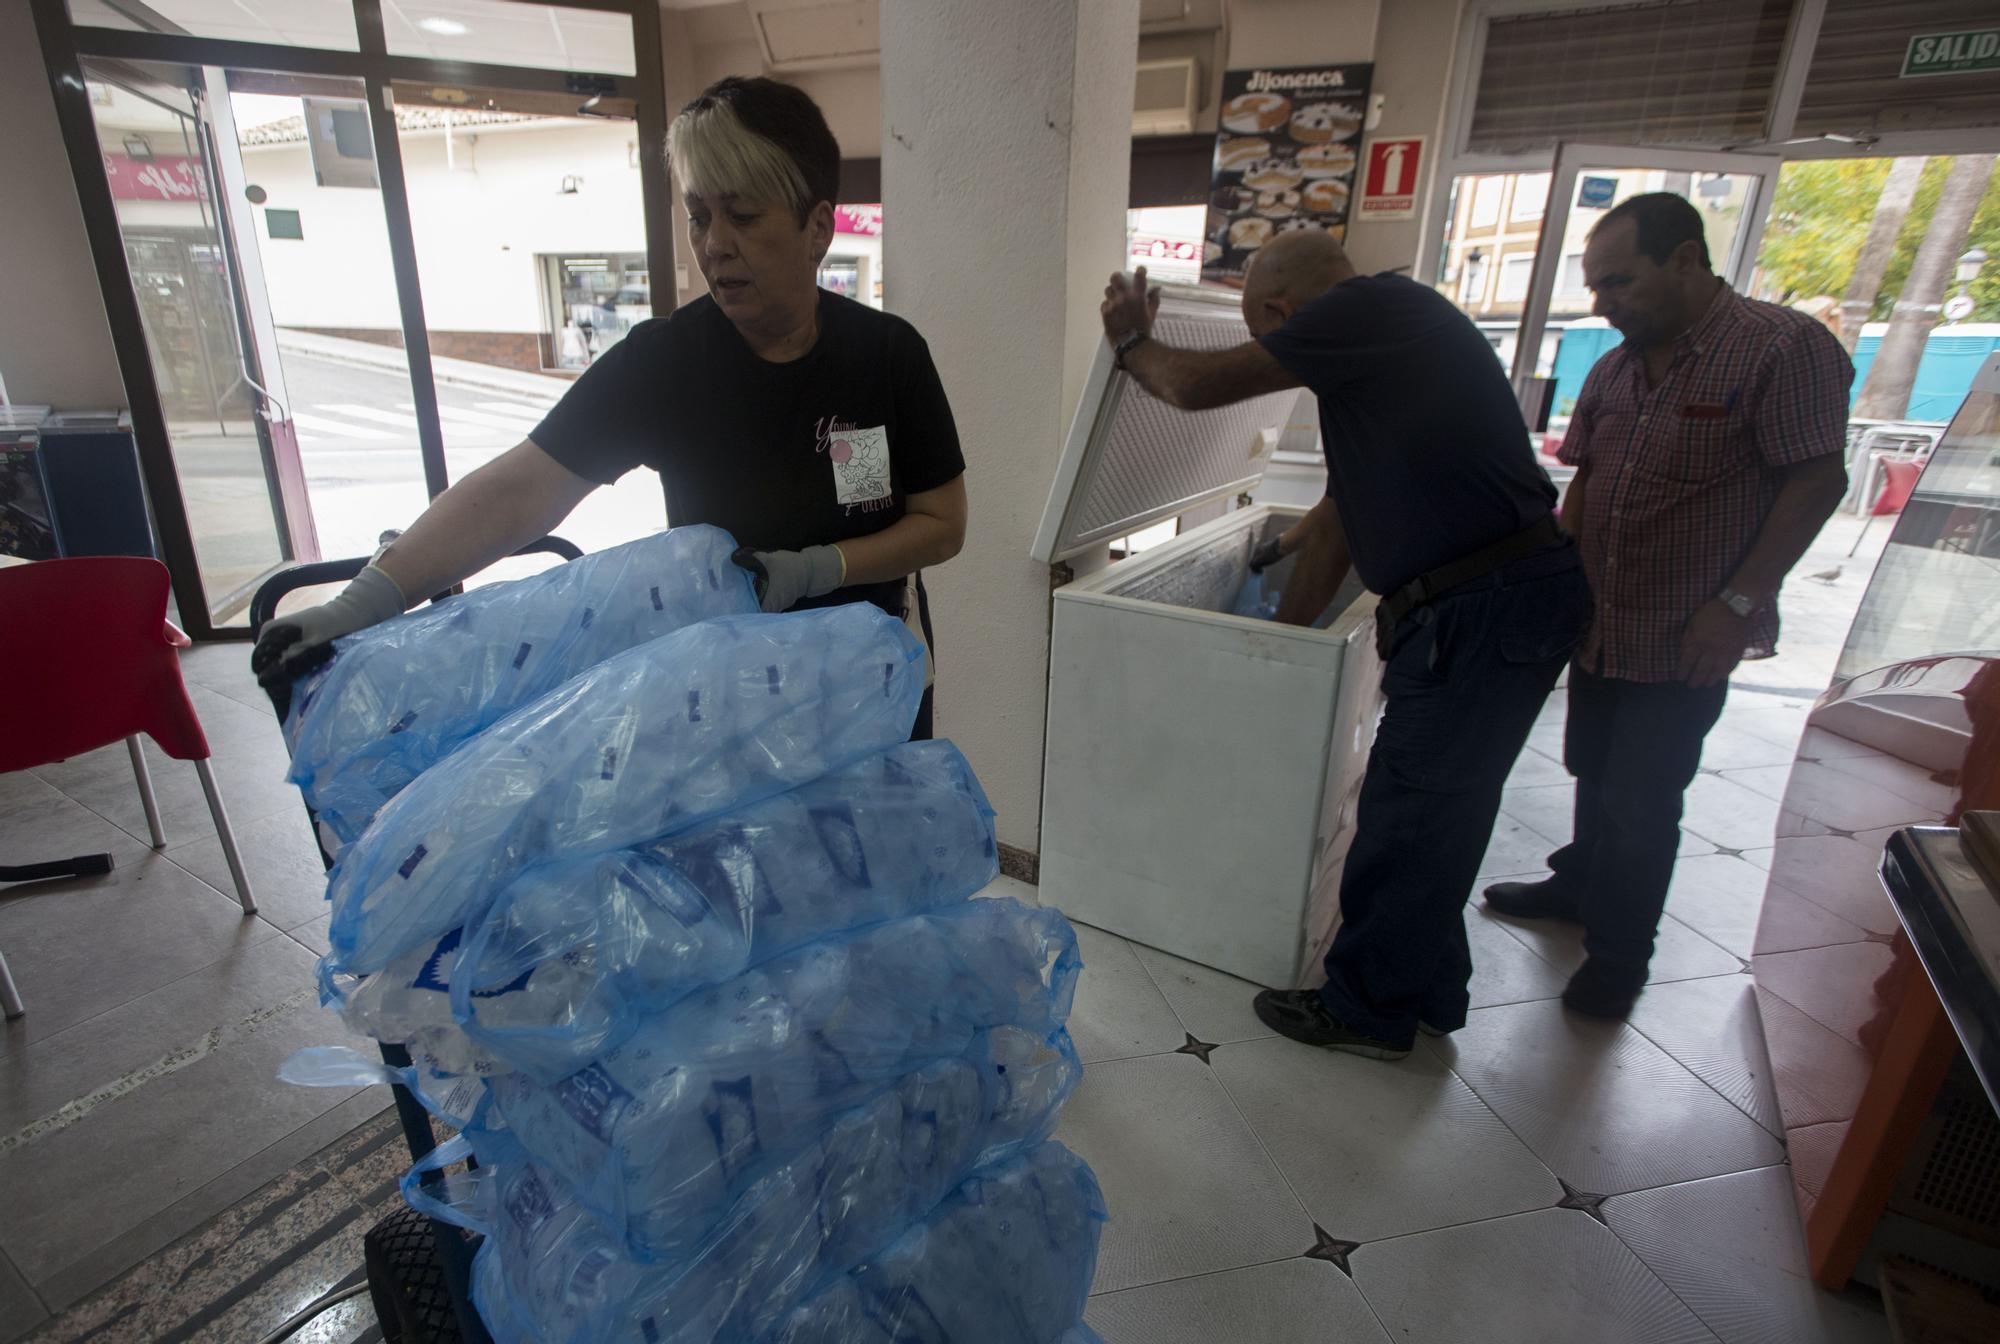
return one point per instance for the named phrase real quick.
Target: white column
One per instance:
(1006, 160)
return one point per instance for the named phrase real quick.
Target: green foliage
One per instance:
(1820, 220)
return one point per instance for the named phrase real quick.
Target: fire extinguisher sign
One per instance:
(1389, 187)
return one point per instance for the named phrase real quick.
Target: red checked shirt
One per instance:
(1683, 475)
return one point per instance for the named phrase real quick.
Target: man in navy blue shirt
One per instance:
(1435, 500)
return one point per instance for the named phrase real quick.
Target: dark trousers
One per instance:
(1465, 678)
(1633, 747)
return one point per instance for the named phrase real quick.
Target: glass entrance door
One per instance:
(159, 155)
(273, 301)
(1732, 191)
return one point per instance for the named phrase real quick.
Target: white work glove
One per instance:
(786, 578)
(291, 646)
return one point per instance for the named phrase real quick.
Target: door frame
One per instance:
(64, 44)
(1574, 159)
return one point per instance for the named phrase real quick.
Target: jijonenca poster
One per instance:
(1285, 155)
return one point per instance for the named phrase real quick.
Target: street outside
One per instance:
(357, 432)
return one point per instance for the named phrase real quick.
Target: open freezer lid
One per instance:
(1132, 460)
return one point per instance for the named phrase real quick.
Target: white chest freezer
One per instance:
(1201, 769)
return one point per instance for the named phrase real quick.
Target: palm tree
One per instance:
(1886, 393)
(1891, 208)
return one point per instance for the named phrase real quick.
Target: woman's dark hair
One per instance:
(778, 114)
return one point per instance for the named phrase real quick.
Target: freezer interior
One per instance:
(1209, 574)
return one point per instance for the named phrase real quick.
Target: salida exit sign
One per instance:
(1952, 53)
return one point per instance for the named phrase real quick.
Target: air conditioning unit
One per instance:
(1165, 96)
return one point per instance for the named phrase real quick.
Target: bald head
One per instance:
(1289, 272)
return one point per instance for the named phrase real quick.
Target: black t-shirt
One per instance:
(1427, 457)
(782, 456)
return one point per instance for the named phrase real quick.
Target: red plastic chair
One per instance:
(1899, 482)
(93, 659)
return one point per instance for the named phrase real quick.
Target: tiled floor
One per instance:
(137, 1097)
(1534, 1177)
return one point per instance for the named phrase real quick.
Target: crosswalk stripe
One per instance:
(477, 419)
(307, 420)
(515, 408)
(369, 413)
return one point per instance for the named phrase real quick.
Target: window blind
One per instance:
(1668, 72)
(1854, 86)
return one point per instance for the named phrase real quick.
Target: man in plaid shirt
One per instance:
(1709, 452)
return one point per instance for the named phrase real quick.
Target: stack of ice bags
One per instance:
(398, 697)
(686, 947)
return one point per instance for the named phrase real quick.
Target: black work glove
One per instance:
(1266, 554)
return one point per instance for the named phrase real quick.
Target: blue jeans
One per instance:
(1465, 678)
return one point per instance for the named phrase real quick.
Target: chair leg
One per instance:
(1866, 519)
(10, 997)
(228, 837)
(145, 778)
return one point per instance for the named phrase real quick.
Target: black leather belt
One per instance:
(1390, 611)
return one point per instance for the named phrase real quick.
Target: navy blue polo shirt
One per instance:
(1427, 457)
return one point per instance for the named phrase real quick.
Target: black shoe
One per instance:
(1429, 1030)
(1301, 1015)
(1549, 898)
(1605, 989)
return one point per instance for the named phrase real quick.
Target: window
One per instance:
(1680, 72)
(1531, 196)
(283, 224)
(1514, 273)
(1486, 193)
(1571, 280)
(597, 299)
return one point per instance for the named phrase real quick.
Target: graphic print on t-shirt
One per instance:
(860, 460)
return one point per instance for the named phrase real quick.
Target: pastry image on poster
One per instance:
(1286, 149)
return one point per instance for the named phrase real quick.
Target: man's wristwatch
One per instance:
(1125, 345)
(1740, 603)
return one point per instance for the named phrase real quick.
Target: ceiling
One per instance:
(495, 32)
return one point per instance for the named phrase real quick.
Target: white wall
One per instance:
(55, 343)
(480, 225)
(1302, 32)
(340, 274)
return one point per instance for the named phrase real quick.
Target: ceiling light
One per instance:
(443, 27)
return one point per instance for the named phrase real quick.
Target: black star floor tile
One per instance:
(1201, 1050)
(1582, 1201)
(1332, 1250)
